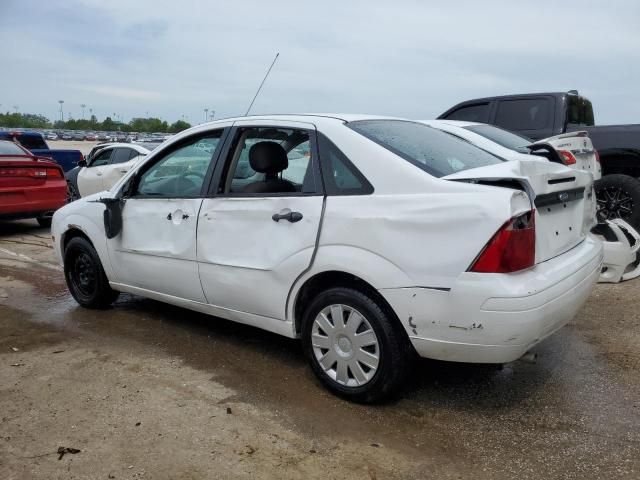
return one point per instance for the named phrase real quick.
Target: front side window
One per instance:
(102, 158)
(579, 111)
(269, 160)
(525, 114)
(436, 152)
(180, 173)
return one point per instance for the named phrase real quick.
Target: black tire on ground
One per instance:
(85, 276)
(44, 222)
(619, 197)
(394, 351)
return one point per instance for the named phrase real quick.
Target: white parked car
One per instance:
(369, 238)
(108, 165)
(574, 149)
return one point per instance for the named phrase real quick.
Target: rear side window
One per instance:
(471, 113)
(340, 176)
(501, 137)
(579, 111)
(120, 155)
(525, 114)
(436, 152)
(31, 142)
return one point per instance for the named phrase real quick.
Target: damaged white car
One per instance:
(369, 238)
(574, 150)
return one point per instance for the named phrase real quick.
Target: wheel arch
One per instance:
(337, 278)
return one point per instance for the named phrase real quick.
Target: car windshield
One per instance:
(502, 137)
(9, 148)
(436, 152)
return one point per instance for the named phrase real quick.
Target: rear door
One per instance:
(90, 177)
(251, 245)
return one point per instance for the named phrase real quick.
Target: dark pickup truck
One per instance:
(35, 143)
(542, 115)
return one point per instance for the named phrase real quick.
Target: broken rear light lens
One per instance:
(511, 249)
(567, 157)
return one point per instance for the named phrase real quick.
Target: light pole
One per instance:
(61, 113)
(213, 114)
(82, 105)
(15, 107)
(206, 111)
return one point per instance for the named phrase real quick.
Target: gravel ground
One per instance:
(146, 390)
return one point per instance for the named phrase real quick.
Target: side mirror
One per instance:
(82, 163)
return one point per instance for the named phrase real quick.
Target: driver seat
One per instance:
(269, 158)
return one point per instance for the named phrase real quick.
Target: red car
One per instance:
(30, 186)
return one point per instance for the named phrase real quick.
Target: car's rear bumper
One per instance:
(32, 201)
(496, 318)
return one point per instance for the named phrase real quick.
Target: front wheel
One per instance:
(354, 347)
(44, 222)
(618, 196)
(85, 276)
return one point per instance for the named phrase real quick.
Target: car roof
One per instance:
(307, 117)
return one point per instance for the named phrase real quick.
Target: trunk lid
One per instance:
(562, 198)
(579, 145)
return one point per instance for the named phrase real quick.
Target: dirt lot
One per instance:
(146, 390)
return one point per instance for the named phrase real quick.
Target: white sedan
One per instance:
(108, 165)
(370, 238)
(573, 149)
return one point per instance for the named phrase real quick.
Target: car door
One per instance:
(156, 249)
(257, 232)
(90, 177)
(122, 160)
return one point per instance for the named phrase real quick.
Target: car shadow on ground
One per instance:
(265, 367)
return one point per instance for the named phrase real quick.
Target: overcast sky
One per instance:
(407, 58)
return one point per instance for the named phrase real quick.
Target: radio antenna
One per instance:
(263, 80)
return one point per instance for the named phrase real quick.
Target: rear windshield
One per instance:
(9, 148)
(30, 142)
(502, 137)
(579, 111)
(436, 152)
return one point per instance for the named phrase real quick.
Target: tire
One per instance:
(355, 380)
(44, 222)
(85, 276)
(72, 192)
(618, 196)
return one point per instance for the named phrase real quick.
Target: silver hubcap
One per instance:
(345, 345)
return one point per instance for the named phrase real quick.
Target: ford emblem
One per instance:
(563, 197)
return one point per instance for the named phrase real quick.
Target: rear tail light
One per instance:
(567, 157)
(29, 172)
(597, 154)
(512, 248)
(54, 173)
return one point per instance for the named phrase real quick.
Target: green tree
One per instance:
(179, 126)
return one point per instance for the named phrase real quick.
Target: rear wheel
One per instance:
(85, 276)
(72, 192)
(618, 196)
(353, 346)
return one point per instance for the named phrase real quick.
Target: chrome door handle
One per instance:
(292, 217)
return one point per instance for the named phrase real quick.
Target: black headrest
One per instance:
(268, 157)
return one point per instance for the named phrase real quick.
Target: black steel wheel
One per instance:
(85, 276)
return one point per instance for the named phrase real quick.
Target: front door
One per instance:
(90, 177)
(156, 250)
(258, 232)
